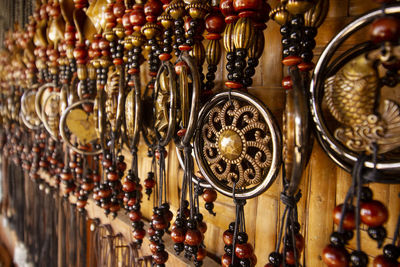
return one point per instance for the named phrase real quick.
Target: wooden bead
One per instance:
(118, 9)
(160, 257)
(349, 222)
(128, 186)
(228, 237)
(226, 7)
(178, 235)
(153, 247)
(135, 216)
(201, 254)
(193, 237)
(215, 23)
(243, 251)
(382, 261)
(137, 16)
(159, 223)
(226, 260)
(335, 256)
(373, 213)
(385, 29)
(246, 5)
(112, 176)
(209, 195)
(168, 215)
(291, 60)
(149, 183)
(202, 226)
(139, 233)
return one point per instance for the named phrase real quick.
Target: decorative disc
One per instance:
(82, 125)
(238, 144)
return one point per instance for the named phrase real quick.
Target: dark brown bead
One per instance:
(382, 261)
(290, 259)
(149, 183)
(226, 260)
(385, 29)
(335, 256)
(373, 213)
(151, 231)
(119, 9)
(246, 5)
(87, 186)
(159, 223)
(160, 257)
(215, 23)
(115, 207)
(193, 237)
(209, 195)
(153, 247)
(178, 235)
(287, 82)
(201, 254)
(349, 222)
(112, 176)
(168, 215)
(243, 251)
(153, 8)
(135, 216)
(137, 16)
(128, 186)
(121, 166)
(104, 193)
(291, 60)
(299, 242)
(228, 237)
(139, 233)
(202, 226)
(226, 7)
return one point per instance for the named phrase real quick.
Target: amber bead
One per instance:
(193, 237)
(202, 226)
(233, 85)
(87, 186)
(335, 256)
(153, 247)
(137, 16)
(228, 237)
(243, 251)
(226, 260)
(349, 222)
(159, 223)
(118, 9)
(139, 233)
(385, 29)
(201, 254)
(209, 195)
(160, 257)
(382, 261)
(112, 176)
(164, 57)
(178, 235)
(149, 183)
(373, 213)
(128, 186)
(135, 216)
(287, 83)
(226, 7)
(291, 60)
(306, 66)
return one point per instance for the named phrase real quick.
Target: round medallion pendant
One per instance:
(237, 145)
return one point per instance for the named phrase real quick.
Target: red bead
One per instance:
(112, 176)
(137, 16)
(153, 247)
(115, 207)
(88, 186)
(179, 66)
(164, 57)
(215, 23)
(128, 186)
(126, 22)
(253, 259)
(153, 8)
(290, 259)
(139, 233)
(104, 193)
(80, 52)
(385, 29)
(118, 61)
(228, 237)
(246, 5)
(335, 256)
(291, 60)
(373, 213)
(159, 223)
(226, 260)
(233, 85)
(149, 183)
(306, 66)
(209, 195)
(193, 237)
(382, 261)
(243, 251)
(88, 107)
(160, 257)
(135, 216)
(185, 47)
(178, 235)
(349, 222)
(158, 154)
(181, 132)
(201, 254)
(213, 36)
(287, 82)
(226, 7)
(104, 44)
(118, 9)
(151, 231)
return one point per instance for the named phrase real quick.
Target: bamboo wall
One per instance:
(324, 184)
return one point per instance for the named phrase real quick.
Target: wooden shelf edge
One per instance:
(121, 224)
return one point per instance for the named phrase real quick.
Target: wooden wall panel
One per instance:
(324, 184)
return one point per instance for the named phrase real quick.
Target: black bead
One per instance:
(230, 66)
(285, 41)
(377, 233)
(348, 235)
(228, 249)
(191, 224)
(159, 233)
(285, 29)
(197, 263)
(308, 44)
(245, 262)
(359, 258)
(249, 72)
(179, 247)
(391, 251)
(366, 194)
(160, 247)
(275, 258)
(240, 64)
(242, 237)
(297, 21)
(337, 239)
(230, 78)
(307, 56)
(230, 56)
(212, 68)
(241, 53)
(310, 32)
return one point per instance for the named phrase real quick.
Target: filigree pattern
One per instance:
(236, 144)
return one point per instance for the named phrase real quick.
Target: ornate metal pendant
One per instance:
(238, 144)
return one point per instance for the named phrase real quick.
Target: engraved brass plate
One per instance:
(237, 144)
(81, 125)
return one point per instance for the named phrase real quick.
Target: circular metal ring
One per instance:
(252, 125)
(167, 66)
(133, 105)
(195, 180)
(24, 112)
(296, 132)
(43, 115)
(336, 151)
(63, 134)
(38, 99)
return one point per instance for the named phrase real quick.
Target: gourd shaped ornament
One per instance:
(365, 140)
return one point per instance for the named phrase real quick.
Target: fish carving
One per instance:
(352, 97)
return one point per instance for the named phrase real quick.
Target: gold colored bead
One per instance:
(119, 31)
(280, 14)
(109, 35)
(230, 144)
(299, 6)
(96, 63)
(176, 9)
(70, 52)
(82, 72)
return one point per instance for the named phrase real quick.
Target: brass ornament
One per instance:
(317, 14)
(28, 112)
(237, 144)
(299, 6)
(81, 125)
(351, 96)
(279, 14)
(244, 33)
(133, 113)
(51, 114)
